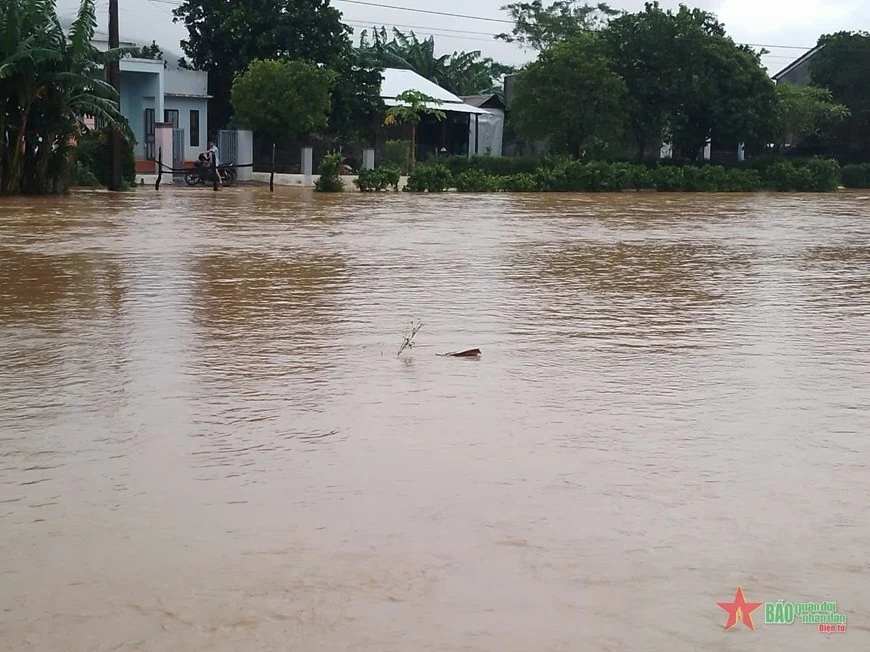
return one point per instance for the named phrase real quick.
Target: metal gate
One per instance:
(178, 150)
(228, 144)
(149, 135)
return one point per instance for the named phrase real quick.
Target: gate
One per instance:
(228, 144)
(178, 150)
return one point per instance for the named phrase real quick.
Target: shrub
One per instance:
(378, 179)
(330, 169)
(741, 181)
(856, 175)
(521, 182)
(825, 175)
(431, 177)
(397, 153)
(668, 178)
(476, 181)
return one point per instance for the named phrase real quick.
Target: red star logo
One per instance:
(740, 609)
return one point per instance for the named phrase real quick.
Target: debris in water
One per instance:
(470, 353)
(408, 340)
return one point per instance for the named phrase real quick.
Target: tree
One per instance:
(842, 65)
(725, 94)
(283, 99)
(650, 50)
(570, 95)
(152, 51)
(48, 85)
(462, 73)
(412, 106)
(803, 111)
(357, 106)
(224, 37)
(539, 27)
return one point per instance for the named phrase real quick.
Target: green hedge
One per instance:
(599, 176)
(378, 179)
(856, 175)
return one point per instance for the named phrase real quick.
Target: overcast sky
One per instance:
(768, 22)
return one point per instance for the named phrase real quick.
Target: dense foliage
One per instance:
(48, 86)
(283, 98)
(804, 113)
(538, 26)
(224, 38)
(856, 175)
(572, 175)
(569, 95)
(842, 65)
(660, 76)
(462, 73)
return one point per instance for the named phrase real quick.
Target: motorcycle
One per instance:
(204, 175)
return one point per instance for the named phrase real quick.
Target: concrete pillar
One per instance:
(708, 148)
(368, 162)
(244, 154)
(163, 140)
(740, 153)
(308, 164)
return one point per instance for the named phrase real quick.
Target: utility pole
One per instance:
(114, 74)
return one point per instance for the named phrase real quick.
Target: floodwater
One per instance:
(208, 442)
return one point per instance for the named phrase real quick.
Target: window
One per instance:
(170, 116)
(194, 128)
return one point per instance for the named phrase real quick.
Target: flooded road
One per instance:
(208, 443)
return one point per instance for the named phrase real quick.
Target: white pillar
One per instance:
(740, 152)
(244, 154)
(308, 164)
(368, 161)
(163, 141)
(708, 149)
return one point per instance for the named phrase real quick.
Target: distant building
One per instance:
(798, 71)
(153, 94)
(488, 131)
(453, 135)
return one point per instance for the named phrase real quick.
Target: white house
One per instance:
(455, 134)
(152, 94)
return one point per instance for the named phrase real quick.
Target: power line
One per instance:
(425, 33)
(424, 11)
(447, 14)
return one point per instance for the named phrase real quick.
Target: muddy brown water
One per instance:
(207, 441)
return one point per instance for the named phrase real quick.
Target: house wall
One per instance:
(184, 105)
(139, 91)
(185, 82)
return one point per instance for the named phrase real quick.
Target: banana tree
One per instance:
(413, 105)
(49, 84)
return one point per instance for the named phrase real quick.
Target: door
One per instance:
(178, 150)
(149, 134)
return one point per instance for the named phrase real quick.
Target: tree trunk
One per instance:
(413, 146)
(12, 170)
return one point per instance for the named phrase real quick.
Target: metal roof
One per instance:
(396, 81)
